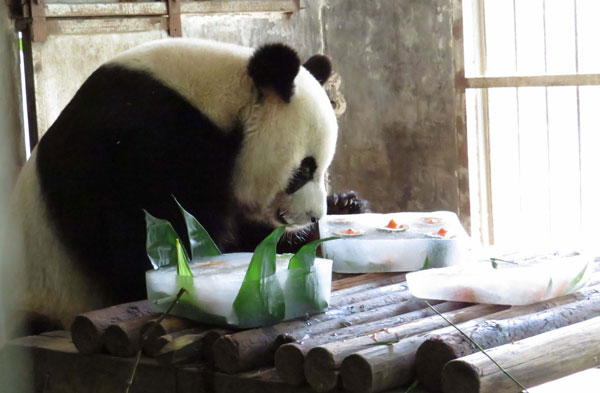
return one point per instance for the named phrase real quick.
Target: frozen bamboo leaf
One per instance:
(426, 263)
(302, 282)
(576, 283)
(201, 244)
(183, 265)
(305, 257)
(260, 300)
(161, 241)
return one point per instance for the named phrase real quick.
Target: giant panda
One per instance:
(241, 137)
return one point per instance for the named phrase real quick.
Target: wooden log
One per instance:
(123, 339)
(322, 363)
(88, 329)
(289, 358)
(153, 332)
(210, 338)
(501, 329)
(343, 298)
(253, 348)
(531, 361)
(380, 368)
(361, 282)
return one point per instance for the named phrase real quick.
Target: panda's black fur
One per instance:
(98, 169)
(129, 141)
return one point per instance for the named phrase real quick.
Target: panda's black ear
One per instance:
(320, 67)
(274, 66)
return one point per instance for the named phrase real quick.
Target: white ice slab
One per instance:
(436, 236)
(216, 283)
(520, 283)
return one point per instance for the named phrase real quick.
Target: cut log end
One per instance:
(357, 375)
(289, 362)
(209, 340)
(225, 353)
(430, 359)
(320, 370)
(459, 376)
(119, 343)
(85, 335)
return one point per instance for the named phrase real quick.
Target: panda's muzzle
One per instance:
(281, 218)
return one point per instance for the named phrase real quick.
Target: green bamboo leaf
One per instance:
(183, 264)
(426, 263)
(260, 299)
(302, 284)
(305, 257)
(201, 244)
(161, 241)
(576, 281)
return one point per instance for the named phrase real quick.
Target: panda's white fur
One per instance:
(48, 281)
(213, 77)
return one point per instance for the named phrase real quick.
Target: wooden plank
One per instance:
(74, 10)
(105, 25)
(57, 367)
(160, 8)
(529, 81)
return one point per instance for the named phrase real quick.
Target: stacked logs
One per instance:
(375, 336)
(125, 329)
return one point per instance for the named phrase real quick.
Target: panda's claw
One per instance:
(346, 203)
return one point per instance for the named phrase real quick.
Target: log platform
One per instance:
(368, 341)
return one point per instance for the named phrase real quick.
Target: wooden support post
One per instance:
(531, 361)
(174, 10)
(39, 29)
(500, 329)
(88, 329)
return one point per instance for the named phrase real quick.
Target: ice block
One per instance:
(507, 282)
(393, 241)
(217, 281)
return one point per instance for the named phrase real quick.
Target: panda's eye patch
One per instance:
(302, 175)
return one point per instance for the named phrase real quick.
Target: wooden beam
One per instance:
(530, 81)
(160, 8)
(106, 25)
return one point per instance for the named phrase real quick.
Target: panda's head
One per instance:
(290, 132)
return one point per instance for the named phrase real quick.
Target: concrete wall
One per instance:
(398, 141)
(397, 146)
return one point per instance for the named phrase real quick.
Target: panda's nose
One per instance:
(313, 219)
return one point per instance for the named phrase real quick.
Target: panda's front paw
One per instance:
(346, 203)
